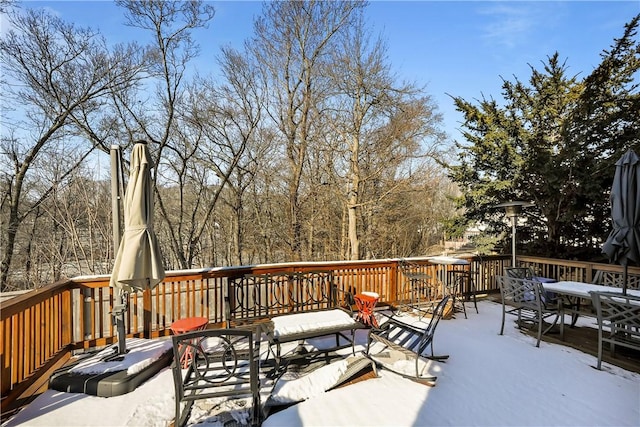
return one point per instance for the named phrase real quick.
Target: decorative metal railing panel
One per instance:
(258, 296)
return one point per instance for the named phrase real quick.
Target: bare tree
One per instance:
(265, 224)
(77, 211)
(56, 80)
(292, 41)
(306, 147)
(223, 118)
(380, 126)
(67, 235)
(5, 5)
(170, 24)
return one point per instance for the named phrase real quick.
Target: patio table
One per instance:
(571, 293)
(447, 260)
(443, 262)
(581, 289)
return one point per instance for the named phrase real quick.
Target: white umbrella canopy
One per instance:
(138, 263)
(623, 244)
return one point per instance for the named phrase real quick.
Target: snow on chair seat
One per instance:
(309, 323)
(335, 324)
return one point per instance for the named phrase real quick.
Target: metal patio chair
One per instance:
(524, 298)
(222, 363)
(408, 341)
(618, 321)
(420, 294)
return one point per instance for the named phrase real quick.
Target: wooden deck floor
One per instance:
(585, 339)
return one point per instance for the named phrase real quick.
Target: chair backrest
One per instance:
(427, 337)
(615, 279)
(219, 363)
(520, 272)
(615, 310)
(522, 293)
(459, 281)
(408, 267)
(413, 272)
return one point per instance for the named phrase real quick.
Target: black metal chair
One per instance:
(409, 341)
(221, 363)
(420, 294)
(461, 284)
(524, 298)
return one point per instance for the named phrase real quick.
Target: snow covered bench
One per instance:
(306, 317)
(315, 333)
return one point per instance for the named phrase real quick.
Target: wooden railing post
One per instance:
(589, 273)
(67, 320)
(227, 295)
(394, 285)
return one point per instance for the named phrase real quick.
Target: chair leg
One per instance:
(599, 366)
(475, 302)
(182, 416)
(464, 307)
(472, 289)
(256, 413)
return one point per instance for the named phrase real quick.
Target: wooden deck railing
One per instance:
(42, 329)
(577, 271)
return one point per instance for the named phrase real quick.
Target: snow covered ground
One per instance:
(489, 380)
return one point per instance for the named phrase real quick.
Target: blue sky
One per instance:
(461, 48)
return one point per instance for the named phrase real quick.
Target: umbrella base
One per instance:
(107, 384)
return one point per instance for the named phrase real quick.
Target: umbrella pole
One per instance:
(118, 311)
(624, 279)
(118, 315)
(116, 193)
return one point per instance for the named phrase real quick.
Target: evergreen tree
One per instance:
(554, 142)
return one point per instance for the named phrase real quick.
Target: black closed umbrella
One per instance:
(623, 244)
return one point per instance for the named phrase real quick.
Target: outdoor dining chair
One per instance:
(525, 298)
(223, 363)
(618, 321)
(420, 293)
(459, 284)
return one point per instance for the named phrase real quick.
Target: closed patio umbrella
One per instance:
(623, 244)
(138, 263)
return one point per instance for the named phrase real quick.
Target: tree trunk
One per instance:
(12, 230)
(352, 197)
